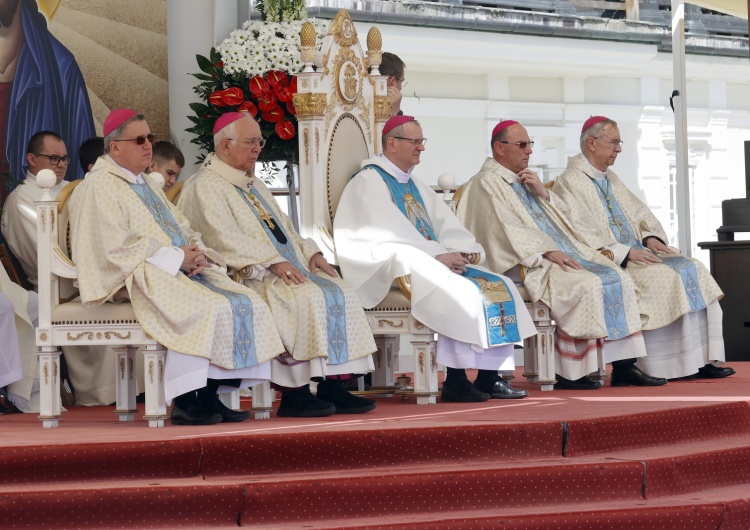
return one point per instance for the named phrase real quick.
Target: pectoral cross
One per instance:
(262, 213)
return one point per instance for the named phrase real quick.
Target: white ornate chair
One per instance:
(341, 110)
(63, 321)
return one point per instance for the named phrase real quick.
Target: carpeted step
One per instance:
(662, 428)
(176, 506)
(306, 452)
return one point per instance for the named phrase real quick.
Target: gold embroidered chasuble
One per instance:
(663, 296)
(494, 213)
(113, 234)
(220, 202)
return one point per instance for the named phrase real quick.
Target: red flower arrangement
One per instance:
(266, 98)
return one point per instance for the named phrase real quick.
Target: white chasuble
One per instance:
(668, 290)
(321, 318)
(599, 301)
(376, 242)
(116, 226)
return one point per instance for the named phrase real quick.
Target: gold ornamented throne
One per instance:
(341, 110)
(63, 321)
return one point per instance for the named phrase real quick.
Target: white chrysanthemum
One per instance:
(257, 47)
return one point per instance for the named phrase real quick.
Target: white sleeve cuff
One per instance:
(620, 251)
(168, 259)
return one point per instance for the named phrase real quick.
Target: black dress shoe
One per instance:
(502, 390)
(333, 391)
(711, 371)
(230, 415)
(632, 375)
(584, 383)
(194, 413)
(462, 392)
(300, 403)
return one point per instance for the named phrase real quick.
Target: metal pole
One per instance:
(684, 214)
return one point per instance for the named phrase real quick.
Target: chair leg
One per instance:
(50, 407)
(425, 368)
(545, 347)
(263, 398)
(154, 360)
(601, 374)
(531, 359)
(231, 399)
(125, 382)
(388, 348)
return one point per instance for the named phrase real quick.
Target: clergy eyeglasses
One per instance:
(54, 159)
(414, 141)
(615, 143)
(260, 142)
(522, 145)
(140, 140)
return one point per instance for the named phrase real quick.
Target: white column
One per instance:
(680, 125)
(193, 27)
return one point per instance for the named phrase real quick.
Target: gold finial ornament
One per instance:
(374, 39)
(374, 51)
(307, 47)
(307, 34)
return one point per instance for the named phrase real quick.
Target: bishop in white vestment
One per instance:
(522, 225)
(389, 224)
(125, 234)
(679, 300)
(318, 316)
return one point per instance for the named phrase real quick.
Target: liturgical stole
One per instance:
(499, 306)
(242, 307)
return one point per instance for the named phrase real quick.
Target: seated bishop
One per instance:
(526, 231)
(129, 242)
(318, 316)
(679, 302)
(389, 224)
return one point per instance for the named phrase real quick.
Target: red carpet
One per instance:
(674, 457)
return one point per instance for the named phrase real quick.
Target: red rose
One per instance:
(249, 107)
(233, 96)
(273, 115)
(266, 101)
(216, 99)
(277, 79)
(285, 130)
(258, 86)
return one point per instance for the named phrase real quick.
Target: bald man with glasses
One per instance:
(46, 150)
(525, 230)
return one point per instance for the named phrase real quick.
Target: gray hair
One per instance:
(593, 132)
(229, 131)
(117, 133)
